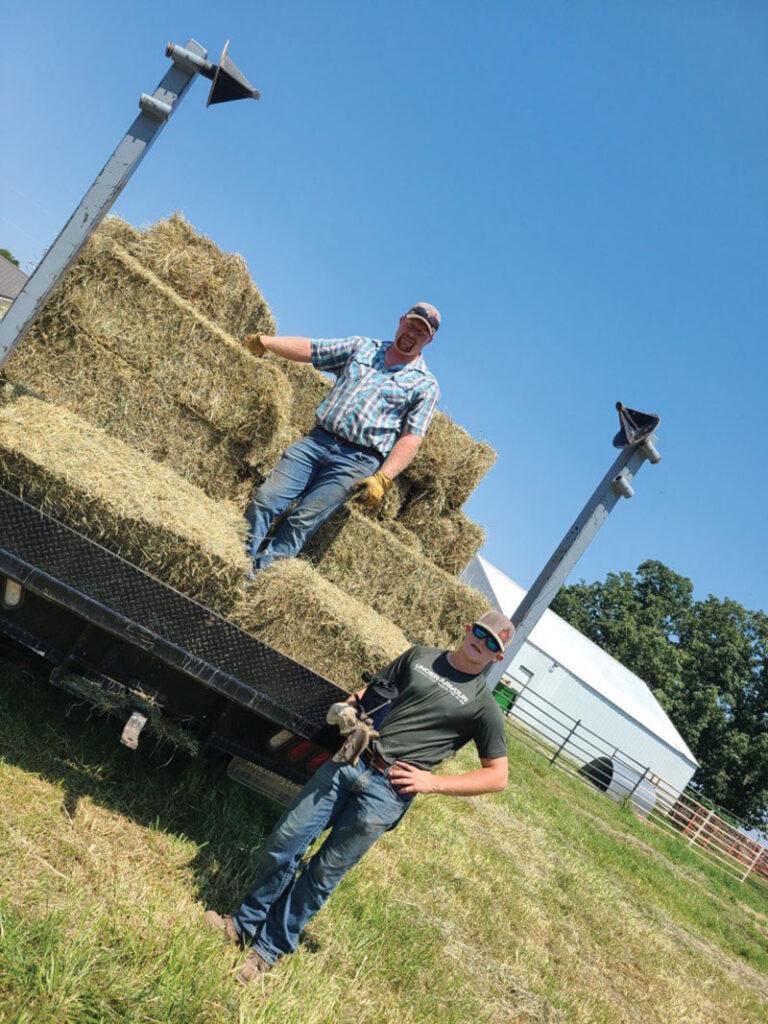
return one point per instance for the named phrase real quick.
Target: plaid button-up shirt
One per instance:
(371, 404)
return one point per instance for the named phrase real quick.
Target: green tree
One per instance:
(9, 257)
(707, 664)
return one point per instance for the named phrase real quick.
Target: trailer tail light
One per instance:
(296, 749)
(299, 750)
(318, 760)
(13, 593)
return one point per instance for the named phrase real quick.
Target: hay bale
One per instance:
(292, 608)
(308, 389)
(216, 283)
(142, 511)
(452, 459)
(450, 541)
(75, 472)
(404, 535)
(423, 508)
(69, 368)
(119, 231)
(110, 297)
(367, 561)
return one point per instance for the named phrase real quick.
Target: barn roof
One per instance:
(12, 280)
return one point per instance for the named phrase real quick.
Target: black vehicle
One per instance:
(139, 649)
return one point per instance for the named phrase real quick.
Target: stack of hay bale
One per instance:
(133, 414)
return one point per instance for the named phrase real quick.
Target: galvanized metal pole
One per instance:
(616, 483)
(155, 111)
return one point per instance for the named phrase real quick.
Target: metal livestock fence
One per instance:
(567, 743)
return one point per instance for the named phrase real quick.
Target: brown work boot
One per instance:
(254, 965)
(224, 924)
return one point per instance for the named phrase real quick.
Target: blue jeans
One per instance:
(321, 470)
(359, 804)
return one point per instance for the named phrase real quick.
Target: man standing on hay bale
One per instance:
(442, 702)
(369, 427)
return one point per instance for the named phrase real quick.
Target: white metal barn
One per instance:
(560, 665)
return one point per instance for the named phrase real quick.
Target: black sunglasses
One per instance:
(433, 322)
(491, 642)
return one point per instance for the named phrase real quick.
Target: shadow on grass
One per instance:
(71, 745)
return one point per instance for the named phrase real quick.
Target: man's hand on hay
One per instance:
(254, 345)
(355, 726)
(372, 489)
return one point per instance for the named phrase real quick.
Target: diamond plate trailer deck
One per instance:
(86, 610)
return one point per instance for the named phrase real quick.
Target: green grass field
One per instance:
(546, 903)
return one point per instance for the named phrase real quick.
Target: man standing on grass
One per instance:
(442, 703)
(369, 427)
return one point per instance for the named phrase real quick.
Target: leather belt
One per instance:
(368, 449)
(373, 761)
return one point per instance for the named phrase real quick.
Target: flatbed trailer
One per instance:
(144, 651)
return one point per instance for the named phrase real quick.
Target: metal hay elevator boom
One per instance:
(228, 83)
(636, 439)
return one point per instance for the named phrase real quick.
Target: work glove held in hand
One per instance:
(254, 345)
(356, 741)
(372, 489)
(343, 715)
(355, 726)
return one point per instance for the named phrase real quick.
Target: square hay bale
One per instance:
(291, 607)
(71, 369)
(110, 297)
(141, 510)
(369, 562)
(423, 508)
(451, 460)
(308, 389)
(75, 472)
(450, 541)
(216, 283)
(404, 535)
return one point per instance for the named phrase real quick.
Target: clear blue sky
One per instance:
(581, 187)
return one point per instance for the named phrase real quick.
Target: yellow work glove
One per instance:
(253, 343)
(371, 490)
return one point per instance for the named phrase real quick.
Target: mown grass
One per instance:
(546, 903)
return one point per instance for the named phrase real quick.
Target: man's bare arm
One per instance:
(299, 350)
(401, 455)
(491, 778)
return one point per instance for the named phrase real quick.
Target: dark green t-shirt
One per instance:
(438, 710)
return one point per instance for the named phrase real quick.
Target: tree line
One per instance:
(706, 663)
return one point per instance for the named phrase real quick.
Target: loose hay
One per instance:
(292, 608)
(9, 393)
(120, 498)
(216, 283)
(366, 560)
(450, 456)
